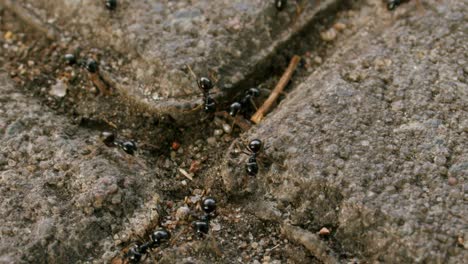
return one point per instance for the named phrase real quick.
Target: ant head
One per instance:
(255, 145)
(234, 108)
(91, 65)
(209, 205)
(161, 235)
(108, 138)
(254, 92)
(205, 84)
(129, 146)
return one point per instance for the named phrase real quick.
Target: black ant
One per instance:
(111, 4)
(202, 226)
(245, 102)
(129, 146)
(205, 85)
(136, 252)
(252, 167)
(209, 104)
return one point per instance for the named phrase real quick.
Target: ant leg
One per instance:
(253, 104)
(242, 148)
(191, 72)
(214, 245)
(233, 124)
(263, 156)
(193, 109)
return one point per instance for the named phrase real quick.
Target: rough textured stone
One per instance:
(371, 146)
(370, 156)
(229, 40)
(60, 188)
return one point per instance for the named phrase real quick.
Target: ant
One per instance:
(205, 85)
(136, 252)
(254, 147)
(202, 226)
(129, 146)
(244, 103)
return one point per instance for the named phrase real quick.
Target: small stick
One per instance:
(238, 120)
(258, 116)
(310, 241)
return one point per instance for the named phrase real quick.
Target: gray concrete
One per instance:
(373, 145)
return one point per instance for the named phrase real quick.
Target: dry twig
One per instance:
(310, 241)
(258, 116)
(238, 120)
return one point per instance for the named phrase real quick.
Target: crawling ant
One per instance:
(205, 85)
(202, 226)
(244, 103)
(136, 252)
(209, 104)
(111, 4)
(129, 146)
(252, 167)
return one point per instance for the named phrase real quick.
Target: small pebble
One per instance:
(339, 26)
(254, 245)
(215, 226)
(175, 145)
(8, 35)
(324, 231)
(328, 35)
(452, 181)
(318, 60)
(211, 141)
(194, 166)
(218, 132)
(182, 213)
(59, 89)
(227, 128)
